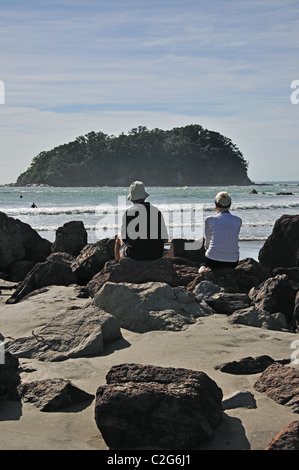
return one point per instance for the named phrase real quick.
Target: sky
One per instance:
(70, 67)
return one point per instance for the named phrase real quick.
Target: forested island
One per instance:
(190, 155)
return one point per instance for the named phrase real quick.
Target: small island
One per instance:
(183, 156)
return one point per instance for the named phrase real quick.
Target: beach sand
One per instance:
(203, 346)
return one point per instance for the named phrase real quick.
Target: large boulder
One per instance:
(136, 272)
(144, 405)
(226, 278)
(11, 246)
(76, 332)
(70, 238)
(281, 249)
(250, 273)
(49, 273)
(150, 306)
(18, 241)
(286, 439)
(36, 248)
(281, 384)
(92, 259)
(227, 303)
(274, 295)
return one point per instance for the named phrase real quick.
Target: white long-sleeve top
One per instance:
(222, 237)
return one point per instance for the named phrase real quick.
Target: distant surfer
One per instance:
(33, 205)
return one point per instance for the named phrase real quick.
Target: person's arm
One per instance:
(207, 234)
(164, 232)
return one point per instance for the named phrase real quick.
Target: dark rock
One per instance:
(157, 406)
(292, 273)
(281, 249)
(42, 275)
(228, 303)
(20, 242)
(136, 272)
(186, 273)
(92, 259)
(250, 273)
(11, 247)
(9, 376)
(225, 277)
(281, 384)
(247, 365)
(276, 294)
(70, 238)
(61, 257)
(181, 248)
(19, 269)
(36, 248)
(286, 439)
(53, 394)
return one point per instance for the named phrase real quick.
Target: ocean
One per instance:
(184, 208)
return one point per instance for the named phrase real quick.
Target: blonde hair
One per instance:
(223, 200)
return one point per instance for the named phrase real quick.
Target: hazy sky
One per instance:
(72, 66)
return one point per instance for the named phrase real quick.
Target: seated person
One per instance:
(222, 235)
(143, 230)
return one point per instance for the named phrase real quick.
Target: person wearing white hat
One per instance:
(222, 235)
(143, 230)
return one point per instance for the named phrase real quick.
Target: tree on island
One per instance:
(190, 155)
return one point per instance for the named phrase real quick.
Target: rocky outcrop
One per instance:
(77, 332)
(156, 406)
(275, 295)
(135, 272)
(249, 273)
(281, 249)
(226, 303)
(150, 306)
(92, 259)
(247, 365)
(286, 439)
(53, 394)
(20, 242)
(71, 238)
(281, 384)
(44, 274)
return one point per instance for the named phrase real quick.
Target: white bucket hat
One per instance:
(137, 191)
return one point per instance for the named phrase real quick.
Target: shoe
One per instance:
(202, 268)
